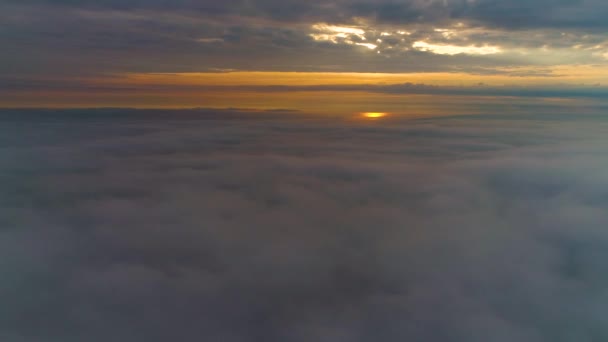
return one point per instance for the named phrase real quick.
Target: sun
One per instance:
(374, 115)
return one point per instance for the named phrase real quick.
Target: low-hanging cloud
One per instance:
(154, 226)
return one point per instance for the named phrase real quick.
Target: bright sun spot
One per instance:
(374, 115)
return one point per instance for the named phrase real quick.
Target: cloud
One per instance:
(84, 86)
(585, 14)
(455, 50)
(546, 13)
(109, 37)
(157, 225)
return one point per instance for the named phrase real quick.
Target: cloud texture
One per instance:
(189, 226)
(105, 37)
(55, 52)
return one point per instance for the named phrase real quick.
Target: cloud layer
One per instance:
(104, 37)
(51, 47)
(235, 226)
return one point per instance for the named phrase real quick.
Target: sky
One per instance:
(298, 55)
(295, 171)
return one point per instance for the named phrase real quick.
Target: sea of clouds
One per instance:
(235, 227)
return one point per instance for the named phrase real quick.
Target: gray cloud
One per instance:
(545, 13)
(149, 226)
(598, 92)
(104, 37)
(512, 14)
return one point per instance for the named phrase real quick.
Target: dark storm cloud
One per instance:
(156, 226)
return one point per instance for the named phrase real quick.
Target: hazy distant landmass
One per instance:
(123, 225)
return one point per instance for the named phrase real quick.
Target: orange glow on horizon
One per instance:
(309, 92)
(558, 74)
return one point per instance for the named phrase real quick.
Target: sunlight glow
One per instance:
(374, 115)
(455, 50)
(368, 45)
(340, 34)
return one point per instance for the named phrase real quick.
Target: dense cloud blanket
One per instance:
(201, 226)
